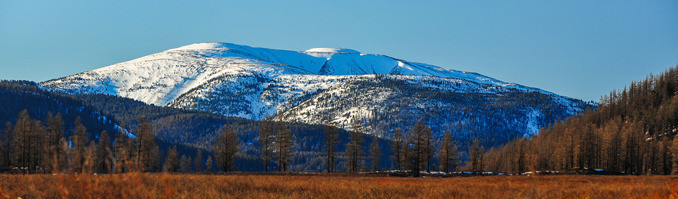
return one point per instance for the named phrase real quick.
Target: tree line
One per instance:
(28, 146)
(633, 131)
(412, 151)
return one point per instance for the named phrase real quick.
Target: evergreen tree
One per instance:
(171, 161)
(398, 146)
(448, 153)
(121, 151)
(89, 158)
(62, 160)
(521, 157)
(28, 148)
(198, 165)
(7, 146)
(185, 164)
(330, 145)
(419, 147)
(428, 147)
(354, 149)
(284, 145)
(375, 152)
(55, 127)
(208, 164)
(225, 149)
(104, 154)
(155, 159)
(38, 148)
(19, 149)
(80, 141)
(476, 155)
(265, 139)
(147, 150)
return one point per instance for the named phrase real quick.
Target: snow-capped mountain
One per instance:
(323, 86)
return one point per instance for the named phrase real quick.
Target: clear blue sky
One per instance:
(581, 49)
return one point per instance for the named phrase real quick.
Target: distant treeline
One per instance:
(633, 131)
(28, 146)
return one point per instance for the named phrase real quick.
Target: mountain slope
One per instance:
(189, 131)
(633, 131)
(253, 83)
(194, 130)
(16, 96)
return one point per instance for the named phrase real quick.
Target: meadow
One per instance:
(249, 185)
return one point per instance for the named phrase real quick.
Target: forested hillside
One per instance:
(16, 96)
(631, 132)
(73, 124)
(47, 132)
(200, 129)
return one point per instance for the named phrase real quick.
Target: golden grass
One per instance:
(333, 186)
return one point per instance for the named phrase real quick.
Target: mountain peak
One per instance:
(332, 51)
(207, 46)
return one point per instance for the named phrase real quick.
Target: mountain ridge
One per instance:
(255, 83)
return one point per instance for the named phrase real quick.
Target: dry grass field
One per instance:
(333, 186)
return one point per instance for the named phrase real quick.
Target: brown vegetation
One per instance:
(137, 185)
(632, 132)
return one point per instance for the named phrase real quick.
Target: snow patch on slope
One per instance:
(533, 122)
(332, 51)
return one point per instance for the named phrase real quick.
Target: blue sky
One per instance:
(581, 49)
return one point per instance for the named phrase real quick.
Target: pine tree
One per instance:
(189, 164)
(208, 164)
(104, 154)
(171, 161)
(121, 151)
(398, 145)
(475, 154)
(428, 147)
(185, 164)
(284, 145)
(419, 150)
(28, 148)
(7, 146)
(37, 147)
(375, 152)
(154, 164)
(80, 141)
(55, 127)
(448, 153)
(21, 129)
(62, 160)
(265, 140)
(521, 157)
(331, 140)
(147, 150)
(198, 165)
(225, 149)
(354, 150)
(444, 153)
(89, 158)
